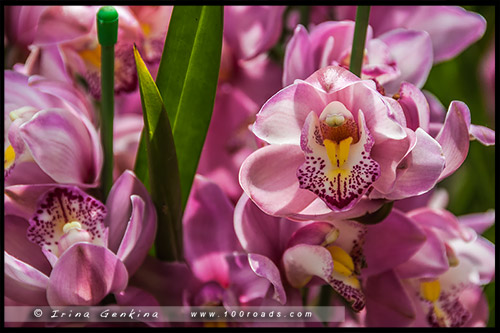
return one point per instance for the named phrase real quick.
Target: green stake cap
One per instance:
(107, 26)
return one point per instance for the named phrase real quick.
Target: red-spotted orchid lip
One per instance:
(338, 167)
(65, 216)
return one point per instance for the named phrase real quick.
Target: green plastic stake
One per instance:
(107, 33)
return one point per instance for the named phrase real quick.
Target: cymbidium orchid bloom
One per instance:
(337, 146)
(48, 136)
(451, 28)
(65, 247)
(302, 254)
(396, 56)
(65, 44)
(217, 271)
(437, 276)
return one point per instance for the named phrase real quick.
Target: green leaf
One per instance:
(141, 162)
(162, 166)
(377, 216)
(187, 81)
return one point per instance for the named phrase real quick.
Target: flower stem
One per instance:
(107, 32)
(358, 42)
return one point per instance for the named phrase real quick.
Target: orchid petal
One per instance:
(454, 137)
(387, 302)
(268, 177)
(282, 117)
(264, 267)
(482, 134)
(391, 243)
(130, 250)
(317, 233)
(415, 106)
(84, 275)
(24, 283)
(412, 51)
(120, 210)
(133, 296)
(207, 221)
(479, 222)
(260, 233)
(18, 246)
(57, 138)
(298, 58)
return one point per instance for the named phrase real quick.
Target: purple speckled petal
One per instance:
(282, 117)
(24, 283)
(387, 301)
(342, 185)
(264, 267)
(391, 242)
(57, 138)
(259, 232)
(64, 205)
(298, 58)
(84, 275)
(482, 134)
(268, 177)
(454, 137)
(22, 200)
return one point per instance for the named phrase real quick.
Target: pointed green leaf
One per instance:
(162, 166)
(187, 81)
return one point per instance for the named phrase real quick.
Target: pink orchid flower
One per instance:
(48, 136)
(67, 248)
(338, 146)
(65, 44)
(396, 56)
(302, 254)
(436, 277)
(451, 28)
(217, 270)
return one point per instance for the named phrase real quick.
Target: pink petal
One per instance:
(57, 139)
(316, 233)
(22, 200)
(64, 23)
(281, 118)
(268, 177)
(391, 243)
(415, 106)
(130, 251)
(482, 134)
(264, 267)
(18, 246)
(298, 58)
(429, 262)
(207, 222)
(479, 222)
(24, 283)
(260, 233)
(387, 301)
(84, 275)
(133, 296)
(120, 209)
(252, 29)
(412, 51)
(420, 170)
(454, 137)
